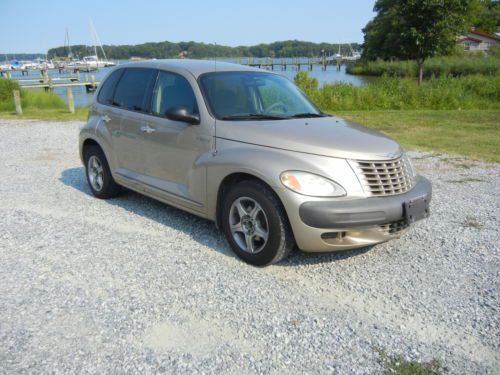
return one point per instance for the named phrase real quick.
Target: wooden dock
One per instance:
(49, 83)
(42, 79)
(89, 86)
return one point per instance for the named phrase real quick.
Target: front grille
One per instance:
(394, 228)
(388, 177)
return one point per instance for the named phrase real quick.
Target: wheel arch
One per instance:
(231, 180)
(90, 141)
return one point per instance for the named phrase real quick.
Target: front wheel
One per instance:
(255, 224)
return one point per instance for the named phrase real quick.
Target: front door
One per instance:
(173, 147)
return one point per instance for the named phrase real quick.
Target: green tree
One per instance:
(415, 29)
(488, 16)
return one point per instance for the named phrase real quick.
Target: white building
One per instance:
(477, 41)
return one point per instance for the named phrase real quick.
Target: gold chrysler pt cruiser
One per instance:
(247, 149)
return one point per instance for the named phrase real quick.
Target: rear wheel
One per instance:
(255, 224)
(99, 176)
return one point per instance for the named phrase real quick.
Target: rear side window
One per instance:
(133, 92)
(172, 90)
(108, 87)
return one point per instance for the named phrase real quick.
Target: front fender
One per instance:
(267, 164)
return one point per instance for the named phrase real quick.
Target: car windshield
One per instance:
(247, 95)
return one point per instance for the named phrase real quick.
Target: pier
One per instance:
(296, 63)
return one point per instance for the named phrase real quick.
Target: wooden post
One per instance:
(71, 100)
(17, 102)
(93, 81)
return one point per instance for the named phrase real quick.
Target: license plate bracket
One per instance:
(416, 209)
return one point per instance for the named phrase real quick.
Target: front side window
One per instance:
(172, 90)
(132, 91)
(253, 95)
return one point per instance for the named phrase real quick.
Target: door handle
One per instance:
(147, 129)
(106, 118)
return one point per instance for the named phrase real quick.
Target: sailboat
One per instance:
(69, 61)
(338, 55)
(93, 62)
(355, 55)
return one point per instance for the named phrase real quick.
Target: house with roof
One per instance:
(476, 40)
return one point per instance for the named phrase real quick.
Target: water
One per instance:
(83, 98)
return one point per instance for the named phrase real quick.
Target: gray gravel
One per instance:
(131, 285)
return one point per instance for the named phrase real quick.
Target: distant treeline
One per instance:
(290, 48)
(19, 56)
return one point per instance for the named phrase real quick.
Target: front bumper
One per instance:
(363, 212)
(330, 225)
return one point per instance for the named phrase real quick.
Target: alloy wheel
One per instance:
(249, 225)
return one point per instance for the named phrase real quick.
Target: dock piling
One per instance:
(71, 100)
(17, 102)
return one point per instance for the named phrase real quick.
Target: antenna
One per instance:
(215, 56)
(214, 143)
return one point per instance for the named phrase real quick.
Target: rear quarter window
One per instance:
(108, 87)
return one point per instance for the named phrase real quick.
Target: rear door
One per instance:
(109, 116)
(132, 97)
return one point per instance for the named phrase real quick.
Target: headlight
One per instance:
(311, 184)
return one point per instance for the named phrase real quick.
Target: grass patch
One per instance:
(434, 67)
(47, 114)
(36, 104)
(471, 222)
(472, 133)
(400, 366)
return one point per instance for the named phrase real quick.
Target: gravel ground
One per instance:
(131, 285)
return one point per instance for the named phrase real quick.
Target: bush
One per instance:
(307, 83)
(389, 93)
(494, 50)
(6, 88)
(457, 65)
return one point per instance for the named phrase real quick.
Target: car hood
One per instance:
(326, 136)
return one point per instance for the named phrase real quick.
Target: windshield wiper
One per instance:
(253, 116)
(307, 114)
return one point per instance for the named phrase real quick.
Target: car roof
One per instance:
(195, 67)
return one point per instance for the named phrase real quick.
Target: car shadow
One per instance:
(201, 230)
(301, 258)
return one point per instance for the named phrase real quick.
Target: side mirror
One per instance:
(183, 115)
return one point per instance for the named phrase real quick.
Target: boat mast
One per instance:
(66, 40)
(97, 40)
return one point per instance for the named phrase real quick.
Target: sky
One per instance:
(34, 26)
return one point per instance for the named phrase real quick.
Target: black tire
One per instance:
(110, 188)
(280, 236)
